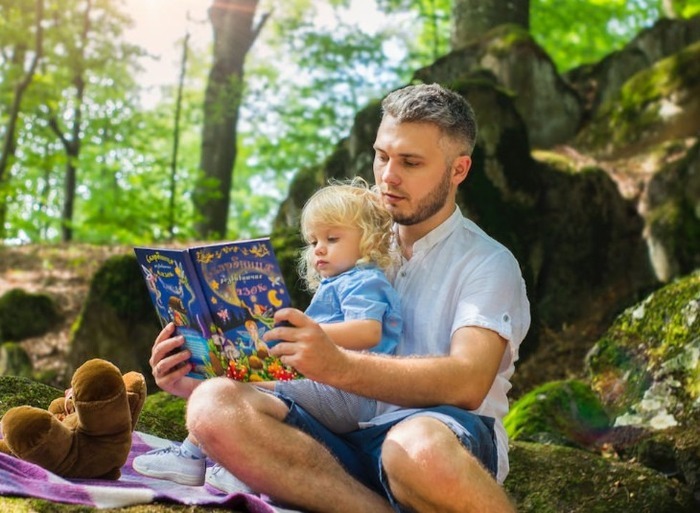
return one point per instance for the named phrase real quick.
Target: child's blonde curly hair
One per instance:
(351, 203)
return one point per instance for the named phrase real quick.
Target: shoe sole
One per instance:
(237, 488)
(171, 476)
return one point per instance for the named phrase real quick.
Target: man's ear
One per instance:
(460, 168)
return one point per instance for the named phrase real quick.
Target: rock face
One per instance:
(118, 321)
(595, 226)
(641, 400)
(591, 178)
(549, 105)
(646, 367)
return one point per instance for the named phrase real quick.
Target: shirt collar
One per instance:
(438, 233)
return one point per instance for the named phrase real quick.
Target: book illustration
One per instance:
(222, 299)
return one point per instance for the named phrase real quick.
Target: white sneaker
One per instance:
(169, 463)
(221, 479)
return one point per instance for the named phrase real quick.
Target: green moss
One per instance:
(556, 161)
(24, 315)
(554, 479)
(625, 118)
(163, 415)
(562, 412)
(15, 391)
(15, 361)
(118, 283)
(504, 37)
(652, 343)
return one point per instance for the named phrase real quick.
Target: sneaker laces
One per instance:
(216, 468)
(165, 450)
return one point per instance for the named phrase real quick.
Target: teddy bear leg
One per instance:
(99, 396)
(4, 448)
(136, 393)
(36, 436)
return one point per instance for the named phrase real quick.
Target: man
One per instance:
(437, 443)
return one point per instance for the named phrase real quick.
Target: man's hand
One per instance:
(169, 363)
(303, 345)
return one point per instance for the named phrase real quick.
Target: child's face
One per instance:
(336, 248)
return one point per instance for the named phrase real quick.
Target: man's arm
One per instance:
(462, 378)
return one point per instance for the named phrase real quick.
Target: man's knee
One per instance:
(210, 401)
(219, 403)
(420, 449)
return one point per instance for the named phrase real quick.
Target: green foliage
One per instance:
(306, 77)
(587, 30)
(432, 17)
(294, 113)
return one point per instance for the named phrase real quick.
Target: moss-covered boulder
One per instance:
(659, 103)
(560, 412)
(550, 107)
(118, 321)
(24, 314)
(15, 361)
(555, 479)
(646, 367)
(18, 391)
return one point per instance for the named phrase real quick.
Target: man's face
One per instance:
(412, 171)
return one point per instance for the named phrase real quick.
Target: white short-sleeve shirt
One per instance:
(459, 276)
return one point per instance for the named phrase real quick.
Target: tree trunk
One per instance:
(473, 18)
(72, 144)
(176, 139)
(234, 34)
(9, 141)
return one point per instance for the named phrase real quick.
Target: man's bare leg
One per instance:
(241, 428)
(430, 471)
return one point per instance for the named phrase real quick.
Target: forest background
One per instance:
(586, 168)
(91, 153)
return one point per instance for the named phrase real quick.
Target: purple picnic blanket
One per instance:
(19, 478)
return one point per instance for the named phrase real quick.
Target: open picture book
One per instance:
(222, 298)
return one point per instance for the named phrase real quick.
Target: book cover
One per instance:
(222, 298)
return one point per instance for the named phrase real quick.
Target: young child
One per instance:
(349, 247)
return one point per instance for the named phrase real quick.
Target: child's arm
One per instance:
(355, 334)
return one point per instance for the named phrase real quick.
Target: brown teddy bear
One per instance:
(87, 434)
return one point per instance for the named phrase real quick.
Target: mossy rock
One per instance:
(556, 479)
(561, 412)
(646, 367)
(659, 102)
(118, 322)
(24, 315)
(20, 391)
(14, 361)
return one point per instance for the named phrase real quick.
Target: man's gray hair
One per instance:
(433, 103)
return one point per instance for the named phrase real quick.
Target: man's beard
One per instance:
(428, 206)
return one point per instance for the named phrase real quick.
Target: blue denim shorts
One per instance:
(360, 451)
